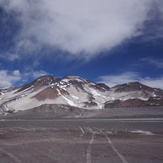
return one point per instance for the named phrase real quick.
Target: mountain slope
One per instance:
(77, 92)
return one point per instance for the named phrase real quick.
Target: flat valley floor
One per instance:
(81, 141)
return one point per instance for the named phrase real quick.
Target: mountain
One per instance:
(77, 92)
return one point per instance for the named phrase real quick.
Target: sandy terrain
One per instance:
(81, 141)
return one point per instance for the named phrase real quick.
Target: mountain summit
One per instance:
(77, 92)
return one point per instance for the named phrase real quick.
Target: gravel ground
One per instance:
(81, 141)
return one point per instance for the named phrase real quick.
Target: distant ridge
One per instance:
(77, 92)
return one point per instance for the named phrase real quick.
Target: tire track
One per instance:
(13, 157)
(89, 149)
(100, 131)
(116, 150)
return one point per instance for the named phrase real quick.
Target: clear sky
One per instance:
(110, 41)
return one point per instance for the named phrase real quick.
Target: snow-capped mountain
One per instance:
(77, 92)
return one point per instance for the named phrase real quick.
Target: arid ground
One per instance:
(81, 141)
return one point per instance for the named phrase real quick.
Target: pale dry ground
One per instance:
(81, 141)
(65, 111)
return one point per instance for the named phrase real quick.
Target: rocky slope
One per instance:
(77, 92)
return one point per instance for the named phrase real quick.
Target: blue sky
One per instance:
(106, 41)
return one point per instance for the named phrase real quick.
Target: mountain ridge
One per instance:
(77, 92)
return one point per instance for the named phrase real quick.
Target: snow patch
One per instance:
(63, 87)
(154, 95)
(75, 97)
(31, 87)
(79, 80)
(66, 99)
(66, 80)
(59, 93)
(95, 93)
(142, 132)
(2, 94)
